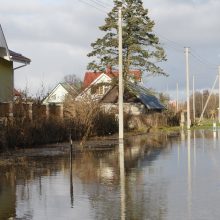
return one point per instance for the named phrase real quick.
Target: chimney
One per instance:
(108, 69)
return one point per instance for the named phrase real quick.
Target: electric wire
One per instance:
(167, 43)
(103, 3)
(94, 6)
(100, 4)
(203, 60)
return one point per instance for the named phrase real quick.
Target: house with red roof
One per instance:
(97, 84)
(137, 99)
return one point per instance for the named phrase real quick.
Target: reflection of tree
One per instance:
(15, 179)
(142, 201)
(98, 172)
(7, 196)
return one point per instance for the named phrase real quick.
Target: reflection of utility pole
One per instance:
(194, 147)
(120, 81)
(187, 87)
(202, 102)
(177, 97)
(71, 173)
(219, 94)
(189, 176)
(122, 179)
(194, 110)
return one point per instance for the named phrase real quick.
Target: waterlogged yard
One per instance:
(149, 177)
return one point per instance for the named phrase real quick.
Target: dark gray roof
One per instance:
(69, 88)
(139, 94)
(145, 96)
(17, 57)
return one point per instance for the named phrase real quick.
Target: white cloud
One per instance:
(56, 35)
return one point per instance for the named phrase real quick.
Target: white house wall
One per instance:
(129, 108)
(57, 96)
(103, 78)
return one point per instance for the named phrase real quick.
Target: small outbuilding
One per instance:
(137, 99)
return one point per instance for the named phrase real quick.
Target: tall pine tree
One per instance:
(141, 47)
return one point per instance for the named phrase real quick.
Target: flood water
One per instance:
(148, 177)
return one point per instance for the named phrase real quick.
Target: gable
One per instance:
(103, 78)
(4, 52)
(90, 77)
(10, 55)
(57, 95)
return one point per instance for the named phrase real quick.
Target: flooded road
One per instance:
(156, 177)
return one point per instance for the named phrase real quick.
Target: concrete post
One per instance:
(61, 111)
(47, 111)
(10, 111)
(30, 111)
(182, 119)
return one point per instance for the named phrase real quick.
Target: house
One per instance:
(137, 100)
(7, 68)
(97, 84)
(59, 93)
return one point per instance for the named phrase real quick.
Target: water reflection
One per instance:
(189, 174)
(194, 148)
(122, 179)
(139, 179)
(71, 176)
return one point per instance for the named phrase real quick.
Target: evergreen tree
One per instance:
(141, 47)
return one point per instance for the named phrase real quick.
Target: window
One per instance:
(53, 97)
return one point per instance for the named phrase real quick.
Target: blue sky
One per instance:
(56, 35)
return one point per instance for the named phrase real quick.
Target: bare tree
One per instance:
(73, 80)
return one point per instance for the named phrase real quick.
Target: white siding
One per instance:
(57, 95)
(87, 92)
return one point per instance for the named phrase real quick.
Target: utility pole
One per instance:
(177, 97)
(120, 82)
(194, 106)
(202, 103)
(187, 87)
(207, 101)
(219, 94)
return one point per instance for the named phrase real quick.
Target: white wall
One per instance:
(57, 96)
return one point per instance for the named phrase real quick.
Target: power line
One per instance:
(203, 60)
(173, 48)
(100, 4)
(210, 66)
(177, 46)
(94, 6)
(171, 41)
(104, 4)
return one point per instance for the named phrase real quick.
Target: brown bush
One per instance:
(87, 118)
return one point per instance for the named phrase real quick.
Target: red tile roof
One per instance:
(16, 93)
(91, 76)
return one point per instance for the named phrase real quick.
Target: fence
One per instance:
(29, 111)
